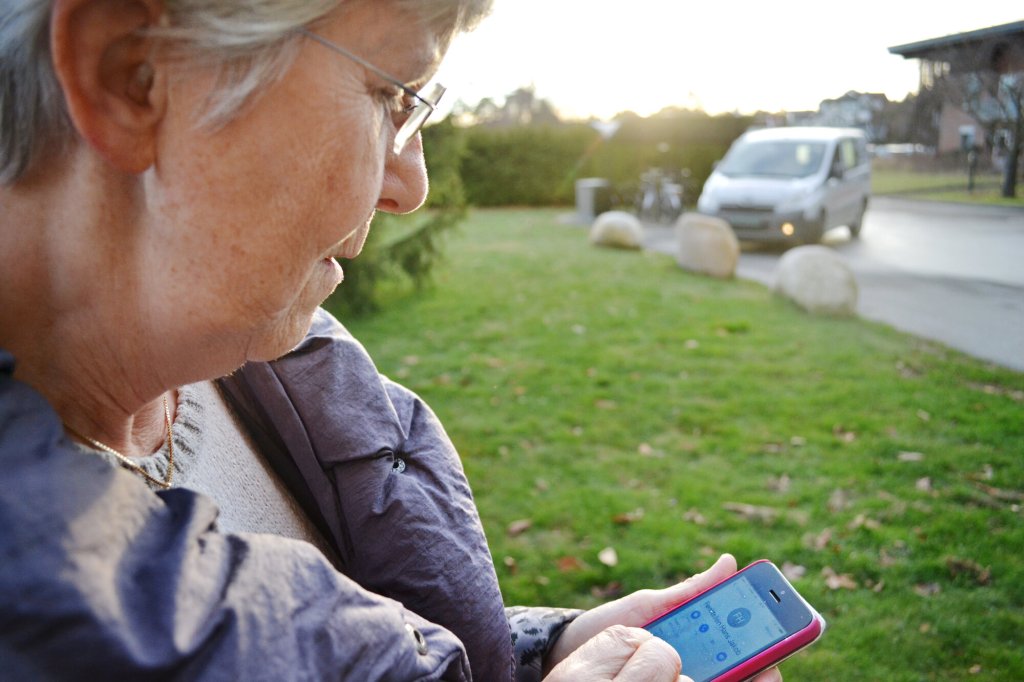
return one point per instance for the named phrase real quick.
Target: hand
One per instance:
(640, 608)
(622, 654)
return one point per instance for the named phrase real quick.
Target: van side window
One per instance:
(848, 153)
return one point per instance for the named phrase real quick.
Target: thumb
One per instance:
(670, 597)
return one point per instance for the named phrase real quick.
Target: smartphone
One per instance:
(745, 624)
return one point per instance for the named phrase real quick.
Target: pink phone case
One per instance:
(774, 654)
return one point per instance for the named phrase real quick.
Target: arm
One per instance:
(534, 631)
(99, 577)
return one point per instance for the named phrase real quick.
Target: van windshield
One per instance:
(774, 158)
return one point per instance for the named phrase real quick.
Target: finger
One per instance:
(653, 661)
(603, 656)
(670, 597)
(770, 675)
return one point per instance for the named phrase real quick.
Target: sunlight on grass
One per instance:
(608, 399)
(943, 186)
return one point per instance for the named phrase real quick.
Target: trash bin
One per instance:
(593, 197)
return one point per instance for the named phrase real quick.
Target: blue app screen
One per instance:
(720, 629)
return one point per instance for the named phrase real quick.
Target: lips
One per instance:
(352, 244)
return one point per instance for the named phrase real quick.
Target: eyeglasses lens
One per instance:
(418, 117)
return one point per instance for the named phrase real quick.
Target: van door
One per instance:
(844, 185)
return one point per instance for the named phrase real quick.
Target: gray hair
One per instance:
(251, 41)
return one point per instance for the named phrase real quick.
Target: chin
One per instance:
(280, 338)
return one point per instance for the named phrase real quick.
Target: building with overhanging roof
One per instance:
(980, 75)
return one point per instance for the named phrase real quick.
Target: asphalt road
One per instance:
(953, 273)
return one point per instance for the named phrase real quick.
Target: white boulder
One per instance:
(818, 280)
(617, 229)
(706, 245)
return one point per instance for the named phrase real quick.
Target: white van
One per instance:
(791, 184)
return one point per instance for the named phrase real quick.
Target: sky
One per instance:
(596, 58)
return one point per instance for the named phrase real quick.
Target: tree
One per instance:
(986, 77)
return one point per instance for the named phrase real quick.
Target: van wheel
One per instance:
(858, 222)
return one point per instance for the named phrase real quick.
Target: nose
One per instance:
(404, 188)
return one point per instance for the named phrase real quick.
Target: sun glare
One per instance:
(591, 59)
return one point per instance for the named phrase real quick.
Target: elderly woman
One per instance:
(179, 180)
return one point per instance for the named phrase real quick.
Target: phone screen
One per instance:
(721, 628)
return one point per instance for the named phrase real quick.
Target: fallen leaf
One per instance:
(780, 484)
(980, 574)
(838, 581)
(752, 512)
(906, 371)
(606, 404)
(974, 669)
(910, 456)
(924, 484)
(822, 539)
(840, 432)
(862, 521)
(579, 329)
(707, 551)
(924, 416)
(519, 527)
(1000, 494)
(694, 516)
(691, 344)
(924, 628)
(610, 591)
(798, 441)
(608, 556)
(411, 360)
(569, 563)
(629, 517)
(927, 589)
(645, 450)
(541, 485)
(838, 501)
(793, 571)
(542, 580)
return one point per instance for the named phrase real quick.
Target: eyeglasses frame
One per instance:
(418, 113)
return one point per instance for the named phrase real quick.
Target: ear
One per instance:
(114, 91)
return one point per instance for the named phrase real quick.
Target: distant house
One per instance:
(980, 75)
(855, 110)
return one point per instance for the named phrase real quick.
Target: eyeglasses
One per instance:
(415, 114)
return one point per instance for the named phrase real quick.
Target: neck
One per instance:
(72, 308)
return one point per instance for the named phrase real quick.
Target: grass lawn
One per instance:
(606, 399)
(943, 186)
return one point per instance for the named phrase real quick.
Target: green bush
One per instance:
(524, 166)
(538, 165)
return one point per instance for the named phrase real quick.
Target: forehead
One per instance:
(392, 36)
